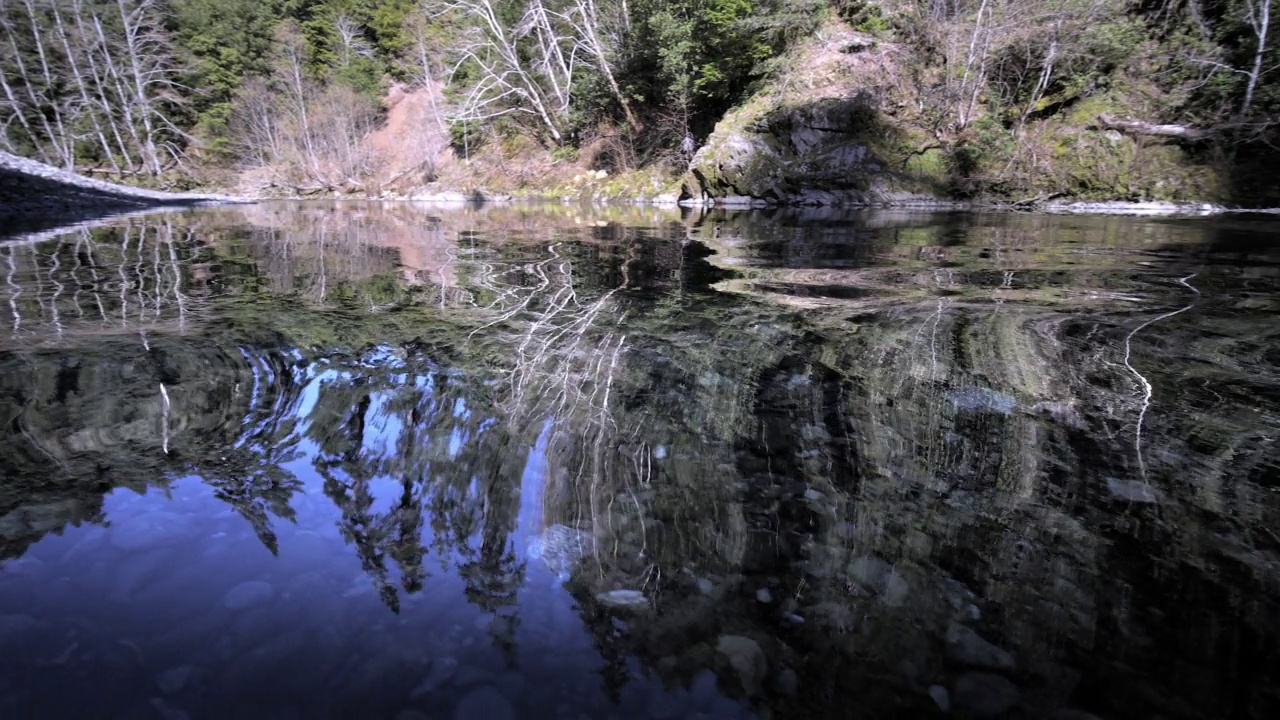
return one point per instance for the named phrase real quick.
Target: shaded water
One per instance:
(367, 461)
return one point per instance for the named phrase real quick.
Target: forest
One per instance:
(184, 93)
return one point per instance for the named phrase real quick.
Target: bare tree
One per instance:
(585, 19)
(103, 72)
(1258, 16)
(81, 82)
(308, 135)
(507, 83)
(351, 41)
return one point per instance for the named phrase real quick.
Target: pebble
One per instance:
(248, 594)
(763, 595)
(705, 586)
(484, 703)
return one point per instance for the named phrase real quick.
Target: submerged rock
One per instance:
(982, 398)
(248, 594)
(966, 647)
(441, 670)
(1073, 715)
(985, 695)
(940, 697)
(787, 682)
(13, 626)
(623, 600)
(167, 711)
(559, 548)
(1132, 491)
(172, 681)
(484, 703)
(747, 660)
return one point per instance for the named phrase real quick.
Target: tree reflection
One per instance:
(880, 437)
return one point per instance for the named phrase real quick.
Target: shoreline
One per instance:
(1057, 207)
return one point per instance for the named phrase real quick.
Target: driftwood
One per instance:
(1138, 127)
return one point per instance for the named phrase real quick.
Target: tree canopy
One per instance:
(155, 87)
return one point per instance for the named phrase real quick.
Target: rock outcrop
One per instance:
(821, 141)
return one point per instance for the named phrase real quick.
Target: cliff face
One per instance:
(848, 121)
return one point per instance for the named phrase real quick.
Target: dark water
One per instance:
(362, 461)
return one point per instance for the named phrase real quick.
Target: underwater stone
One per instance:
(172, 681)
(763, 595)
(985, 695)
(441, 670)
(560, 548)
(623, 600)
(167, 711)
(787, 682)
(747, 660)
(13, 625)
(484, 703)
(941, 697)
(981, 398)
(1132, 491)
(966, 647)
(248, 594)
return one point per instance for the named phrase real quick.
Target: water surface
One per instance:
(357, 460)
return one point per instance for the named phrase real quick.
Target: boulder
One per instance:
(747, 660)
(965, 647)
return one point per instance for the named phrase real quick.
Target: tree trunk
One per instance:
(1260, 21)
(1138, 127)
(78, 76)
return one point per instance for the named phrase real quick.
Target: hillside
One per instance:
(850, 122)
(813, 101)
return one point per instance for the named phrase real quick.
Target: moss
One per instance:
(930, 165)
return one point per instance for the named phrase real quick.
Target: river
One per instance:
(388, 460)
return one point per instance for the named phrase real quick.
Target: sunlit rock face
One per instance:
(1011, 464)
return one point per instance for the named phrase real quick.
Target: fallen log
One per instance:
(1138, 127)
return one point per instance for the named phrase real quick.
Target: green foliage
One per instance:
(863, 15)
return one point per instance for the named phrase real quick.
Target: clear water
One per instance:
(390, 461)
